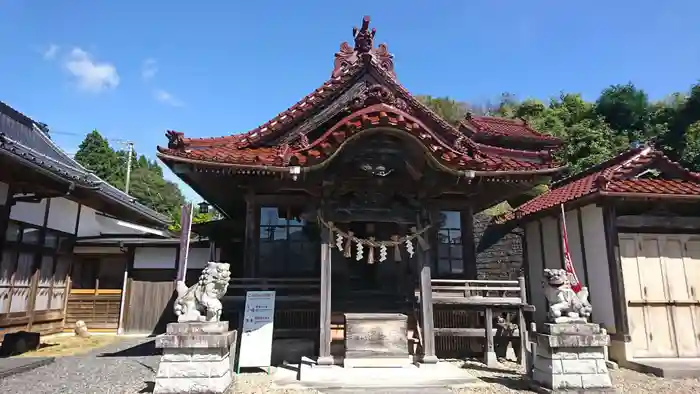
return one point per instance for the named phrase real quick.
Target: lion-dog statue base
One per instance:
(569, 354)
(198, 350)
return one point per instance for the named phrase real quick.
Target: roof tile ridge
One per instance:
(415, 102)
(662, 156)
(241, 137)
(475, 119)
(79, 168)
(600, 167)
(622, 169)
(520, 152)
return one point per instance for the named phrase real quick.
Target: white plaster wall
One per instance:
(575, 247)
(4, 188)
(93, 224)
(26, 212)
(535, 267)
(550, 236)
(597, 261)
(197, 258)
(155, 258)
(62, 215)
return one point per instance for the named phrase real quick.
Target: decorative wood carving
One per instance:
(364, 50)
(175, 140)
(285, 153)
(377, 94)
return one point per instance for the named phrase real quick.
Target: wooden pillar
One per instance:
(622, 328)
(522, 327)
(426, 300)
(252, 225)
(324, 350)
(490, 358)
(468, 245)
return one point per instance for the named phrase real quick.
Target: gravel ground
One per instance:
(129, 366)
(131, 371)
(625, 381)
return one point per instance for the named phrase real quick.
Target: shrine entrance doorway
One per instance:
(366, 281)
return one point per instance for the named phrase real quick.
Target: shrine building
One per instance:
(357, 202)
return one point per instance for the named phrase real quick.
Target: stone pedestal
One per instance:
(376, 340)
(570, 357)
(197, 358)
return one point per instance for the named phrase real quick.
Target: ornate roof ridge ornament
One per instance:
(363, 49)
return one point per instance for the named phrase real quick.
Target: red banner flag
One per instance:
(568, 263)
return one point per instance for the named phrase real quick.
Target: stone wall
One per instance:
(499, 251)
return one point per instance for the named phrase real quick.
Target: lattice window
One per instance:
(289, 246)
(449, 259)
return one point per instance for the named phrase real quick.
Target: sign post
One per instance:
(258, 322)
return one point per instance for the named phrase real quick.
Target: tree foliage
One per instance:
(197, 217)
(147, 183)
(595, 131)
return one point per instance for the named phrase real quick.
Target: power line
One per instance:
(122, 141)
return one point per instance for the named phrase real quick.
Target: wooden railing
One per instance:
(297, 303)
(479, 292)
(464, 309)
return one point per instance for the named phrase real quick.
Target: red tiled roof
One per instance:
(266, 145)
(612, 177)
(654, 186)
(280, 123)
(376, 116)
(502, 127)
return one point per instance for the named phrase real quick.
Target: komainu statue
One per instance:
(565, 305)
(202, 302)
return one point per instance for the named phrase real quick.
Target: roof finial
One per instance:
(364, 37)
(364, 51)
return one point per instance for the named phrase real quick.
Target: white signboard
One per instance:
(258, 321)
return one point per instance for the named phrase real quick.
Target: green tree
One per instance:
(152, 190)
(626, 110)
(147, 184)
(95, 154)
(450, 110)
(197, 217)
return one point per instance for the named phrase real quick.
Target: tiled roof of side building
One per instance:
(503, 127)
(22, 139)
(615, 175)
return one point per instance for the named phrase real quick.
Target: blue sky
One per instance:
(133, 69)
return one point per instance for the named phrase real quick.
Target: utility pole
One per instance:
(128, 166)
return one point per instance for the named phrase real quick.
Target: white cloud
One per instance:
(51, 52)
(167, 98)
(149, 69)
(91, 75)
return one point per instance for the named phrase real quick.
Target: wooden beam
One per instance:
(324, 351)
(490, 358)
(466, 332)
(468, 246)
(36, 268)
(615, 270)
(687, 223)
(426, 301)
(252, 227)
(522, 327)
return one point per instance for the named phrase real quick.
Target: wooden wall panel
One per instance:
(150, 301)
